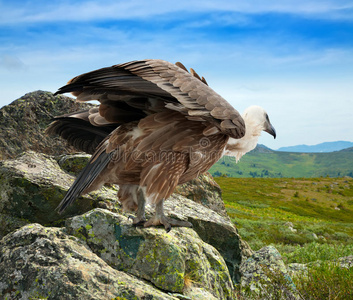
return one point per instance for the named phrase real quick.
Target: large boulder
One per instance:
(22, 124)
(32, 186)
(38, 262)
(167, 260)
(265, 276)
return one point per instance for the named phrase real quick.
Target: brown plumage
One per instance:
(157, 126)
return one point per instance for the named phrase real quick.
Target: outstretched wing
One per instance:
(133, 90)
(79, 131)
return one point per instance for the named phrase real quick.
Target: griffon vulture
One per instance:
(157, 126)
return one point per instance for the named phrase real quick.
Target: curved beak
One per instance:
(270, 129)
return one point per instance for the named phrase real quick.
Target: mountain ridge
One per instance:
(322, 147)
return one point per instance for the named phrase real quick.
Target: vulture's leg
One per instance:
(140, 218)
(160, 219)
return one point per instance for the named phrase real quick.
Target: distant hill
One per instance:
(326, 159)
(323, 147)
(262, 149)
(286, 164)
(347, 150)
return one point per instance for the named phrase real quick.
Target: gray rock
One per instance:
(37, 262)
(289, 224)
(290, 227)
(73, 163)
(165, 259)
(342, 262)
(295, 268)
(346, 262)
(32, 186)
(22, 124)
(206, 191)
(314, 236)
(265, 268)
(213, 229)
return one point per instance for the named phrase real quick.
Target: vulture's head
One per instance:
(258, 116)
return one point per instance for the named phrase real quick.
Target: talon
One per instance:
(168, 223)
(137, 221)
(168, 228)
(160, 219)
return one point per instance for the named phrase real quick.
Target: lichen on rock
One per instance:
(261, 269)
(26, 119)
(33, 185)
(37, 262)
(164, 259)
(73, 163)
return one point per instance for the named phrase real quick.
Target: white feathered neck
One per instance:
(238, 147)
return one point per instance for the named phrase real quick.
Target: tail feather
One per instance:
(85, 178)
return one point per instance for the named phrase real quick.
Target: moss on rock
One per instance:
(74, 163)
(164, 259)
(46, 263)
(33, 185)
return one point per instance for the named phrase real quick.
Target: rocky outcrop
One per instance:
(92, 251)
(22, 124)
(206, 191)
(166, 260)
(38, 262)
(265, 275)
(201, 261)
(32, 186)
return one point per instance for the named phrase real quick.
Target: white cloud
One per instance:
(11, 63)
(303, 108)
(306, 88)
(57, 11)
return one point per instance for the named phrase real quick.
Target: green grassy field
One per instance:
(306, 219)
(286, 164)
(291, 212)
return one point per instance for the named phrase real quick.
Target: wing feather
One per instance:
(165, 82)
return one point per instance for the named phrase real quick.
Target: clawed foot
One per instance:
(158, 219)
(166, 222)
(136, 221)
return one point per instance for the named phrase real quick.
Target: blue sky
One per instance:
(294, 58)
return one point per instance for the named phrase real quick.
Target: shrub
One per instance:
(326, 281)
(315, 251)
